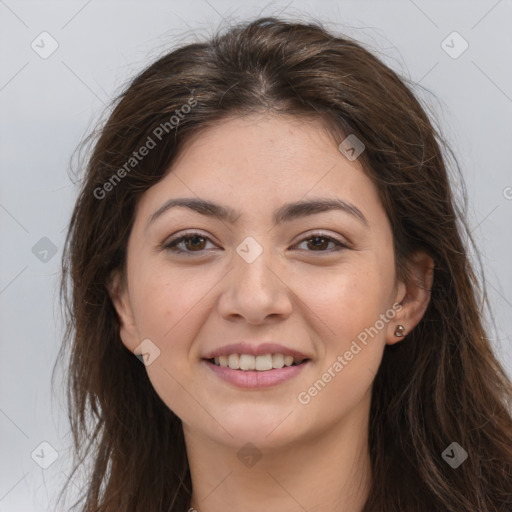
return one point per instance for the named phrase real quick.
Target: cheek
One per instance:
(350, 300)
(170, 306)
(352, 313)
(165, 297)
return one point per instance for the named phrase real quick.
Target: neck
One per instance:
(328, 472)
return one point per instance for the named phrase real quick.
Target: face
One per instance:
(317, 284)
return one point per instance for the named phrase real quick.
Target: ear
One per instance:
(118, 291)
(413, 296)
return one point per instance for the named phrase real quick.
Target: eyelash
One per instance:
(171, 246)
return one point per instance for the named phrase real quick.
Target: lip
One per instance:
(255, 350)
(255, 378)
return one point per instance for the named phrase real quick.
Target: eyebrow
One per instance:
(285, 213)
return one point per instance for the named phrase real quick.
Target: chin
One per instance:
(264, 426)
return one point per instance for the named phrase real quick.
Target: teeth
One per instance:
(277, 360)
(264, 362)
(260, 363)
(247, 362)
(234, 361)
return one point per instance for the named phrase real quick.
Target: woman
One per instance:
(271, 303)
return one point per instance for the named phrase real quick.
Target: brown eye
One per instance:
(187, 244)
(320, 243)
(194, 242)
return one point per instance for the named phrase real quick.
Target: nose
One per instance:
(256, 290)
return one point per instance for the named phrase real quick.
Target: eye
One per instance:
(320, 241)
(195, 242)
(191, 242)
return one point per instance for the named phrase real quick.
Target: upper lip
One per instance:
(255, 350)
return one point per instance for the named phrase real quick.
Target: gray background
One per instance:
(48, 104)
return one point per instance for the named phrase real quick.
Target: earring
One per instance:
(399, 332)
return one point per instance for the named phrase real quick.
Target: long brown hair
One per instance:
(442, 384)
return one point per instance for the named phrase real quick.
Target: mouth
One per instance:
(260, 363)
(256, 372)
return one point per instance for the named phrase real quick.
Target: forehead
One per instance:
(279, 142)
(254, 161)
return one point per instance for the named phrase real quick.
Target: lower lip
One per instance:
(255, 378)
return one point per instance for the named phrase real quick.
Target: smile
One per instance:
(248, 371)
(260, 363)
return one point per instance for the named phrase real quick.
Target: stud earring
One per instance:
(399, 332)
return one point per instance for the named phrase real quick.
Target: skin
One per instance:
(314, 456)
